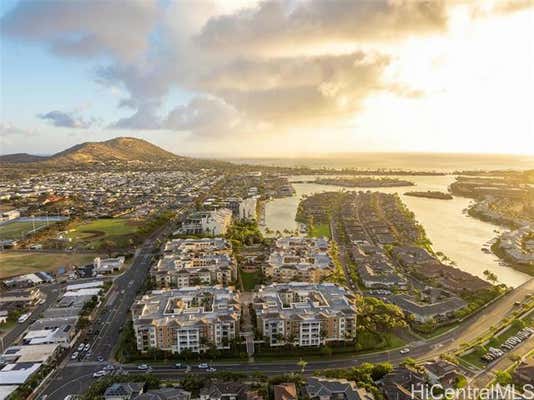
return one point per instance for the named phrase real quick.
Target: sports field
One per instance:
(93, 234)
(18, 229)
(17, 263)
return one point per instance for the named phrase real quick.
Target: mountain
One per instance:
(21, 158)
(121, 149)
(117, 150)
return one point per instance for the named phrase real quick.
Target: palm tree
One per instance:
(302, 364)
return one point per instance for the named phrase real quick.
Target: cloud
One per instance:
(246, 67)
(299, 89)
(119, 28)
(8, 129)
(277, 24)
(204, 116)
(145, 117)
(67, 120)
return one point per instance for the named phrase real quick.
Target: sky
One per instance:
(248, 78)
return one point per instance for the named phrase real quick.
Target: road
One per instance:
(74, 377)
(484, 378)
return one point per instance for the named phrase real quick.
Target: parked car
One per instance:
(74, 356)
(405, 350)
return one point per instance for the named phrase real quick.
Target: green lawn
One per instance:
(473, 358)
(250, 279)
(18, 229)
(17, 263)
(320, 230)
(92, 234)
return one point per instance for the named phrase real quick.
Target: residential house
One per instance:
(334, 389)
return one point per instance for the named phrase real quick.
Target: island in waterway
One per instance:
(364, 182)
(431, 194)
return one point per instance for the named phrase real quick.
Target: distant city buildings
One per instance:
(192, 319)
(305, 314)
(518, 245)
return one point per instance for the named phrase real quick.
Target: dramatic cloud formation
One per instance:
(220, 69)
(67, 120)
(276, 25)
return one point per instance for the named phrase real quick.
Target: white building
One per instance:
(108, 265)
(214, 222)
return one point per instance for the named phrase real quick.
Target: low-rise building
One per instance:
(439, 311)
(124, 391)
(51, 331)
(108, 265)
(17, 374)
(441, 372)
(404, 383)
(39, 353)
(515, 245)
(228, 391)
(285, 391)
(165, 394)
(299, 259)
(189, 262)
(28, 280)
(380, 275)
(305, 314)
(524, 373)
(335, 389)
(189, 318)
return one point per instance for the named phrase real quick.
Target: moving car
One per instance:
(203, 366)
(23, 318)
(142, 367)
(405, 350)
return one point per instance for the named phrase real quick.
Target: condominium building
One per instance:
(242, 208)
(305, 314)
(189, 262)
(299, 259)
(214, 222)
(192, 318)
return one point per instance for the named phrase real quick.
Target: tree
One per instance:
(376, 316)
(302, 364)
(503, 378)
(490, 276)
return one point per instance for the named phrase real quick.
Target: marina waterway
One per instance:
(459, 236)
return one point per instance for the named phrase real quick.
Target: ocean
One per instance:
(439, 162)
